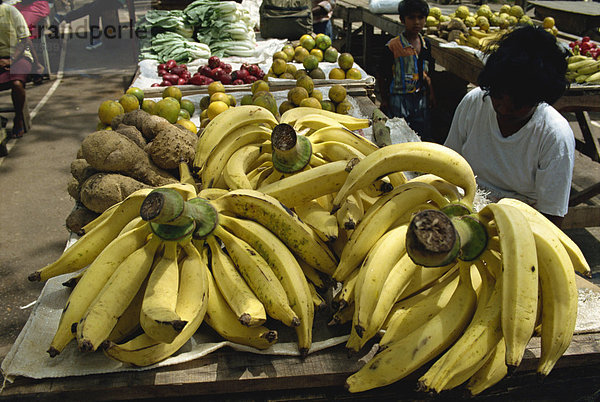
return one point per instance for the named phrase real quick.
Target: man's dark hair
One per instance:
(528, 66)
(407, 7)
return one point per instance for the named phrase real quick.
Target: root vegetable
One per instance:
(132, 133)
(103, 190)
(73, 188)
(79, 217)
(172, 145)
(134, 118)
(151, 125)
(109, 151)
(81, 170)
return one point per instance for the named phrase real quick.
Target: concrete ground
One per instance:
(33, 177)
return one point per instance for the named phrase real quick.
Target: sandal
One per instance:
(17, 131)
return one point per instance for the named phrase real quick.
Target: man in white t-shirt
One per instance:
(517, 144)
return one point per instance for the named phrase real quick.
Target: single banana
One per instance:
(347, 292)
(353, 123)
(319, 219)
(224, 321)
(260, 277)
(580, 264)
(257, 179)
(343, 136)
(101, 316)
(559, 297)
(92, 282)
(426, 277)
(342, 315)
(409, 314)
(227, 123)
(336, 151)
(185, 174)
(448, 190)
(468, 353)
(217, 160)
(399, 277)
(309, 184)
(91, 244)
(423, 157)
(128, 323)
(186, 190)
(315, 122)
(158, 317)
(192, 303)
(241, 299)
(378, 264)
(351, 213)
(375, 224)
(313, 276)
(211, 193)
(235, 173)
(519, 278)
(318, 302)
(285, 267)
(491, 372)
(100, 218)
(405, 355)
(133, 224)
(270, 213)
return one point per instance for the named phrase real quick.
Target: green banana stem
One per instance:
(172, 232)
(431, 239)
(205, 216)
(435, 239)
(473, 236)
(455, 209)
(164, 206)
(291, 152)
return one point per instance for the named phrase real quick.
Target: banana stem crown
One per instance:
(291, 152)
(431, 239)
(473, 236)
(164, 206)
(205, 216)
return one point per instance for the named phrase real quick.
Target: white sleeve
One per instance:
(20, 24)
(554, 174)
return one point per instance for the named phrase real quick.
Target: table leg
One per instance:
(591, 146)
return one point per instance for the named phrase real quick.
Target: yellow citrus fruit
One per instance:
(279, 66)
(328, 105)
(187, 105)
(310, 62)
(322, 41)
(215, 108)
(280, 55)
(149, 106)
(353, 74)
(310, 102)
(337, 93)
(204, 114)
(304, 37)
(137, 92)
(173, 92)
(285, 106)
(343, 107)
(259, 85)
(297, 94)
(337, 74)
(204, 102)
(101, 126)
(215, 86)
(308, 43)
(345, 61)
(318, 53)
(188, 124)
(204, 122)
(219, 96)
(548, 23)
(129, 102)
(184, 114)
(300, 54)
(108, 110)
(289, 50)
(168, 108)
(290, 68)
(232, 101)
(317, 94)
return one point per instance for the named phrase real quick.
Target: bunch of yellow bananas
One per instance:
(481, 310)
(583, 70)
(148, 287)
(479, 39)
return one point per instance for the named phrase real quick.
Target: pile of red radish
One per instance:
(216, 70)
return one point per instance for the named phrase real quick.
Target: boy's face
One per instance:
(414, 22)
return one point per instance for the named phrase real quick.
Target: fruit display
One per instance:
(585, 47)
(285, 205)
(481, 28)
(583, 70)
(215, 70)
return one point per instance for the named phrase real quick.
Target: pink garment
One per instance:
(33, 12)
(18, 71)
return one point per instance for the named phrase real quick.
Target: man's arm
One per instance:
(557, 220)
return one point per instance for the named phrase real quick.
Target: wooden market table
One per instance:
(579, 17)
(232, 375)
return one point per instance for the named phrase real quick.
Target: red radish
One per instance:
(238, 82)
(250, 79)
(197, 79)
(205, 70)
(214, 62)
(155, 84)
(162, 72)
(226, 67)
(170, 64)
(178, 70)
(181, 81)
(161, 66)
(165, 84)
(226, 78)
(216, 72)
(241, 74)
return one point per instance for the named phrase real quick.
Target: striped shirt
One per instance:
(406, 67)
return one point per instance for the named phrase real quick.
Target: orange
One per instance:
(108, 110)
(129, 102)
(219, 96)
(173, 92)
(188, 124)
(215, 108)
(137, 92)
(337, 74)
(215, 86)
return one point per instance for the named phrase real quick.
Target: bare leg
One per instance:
(18, 98)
